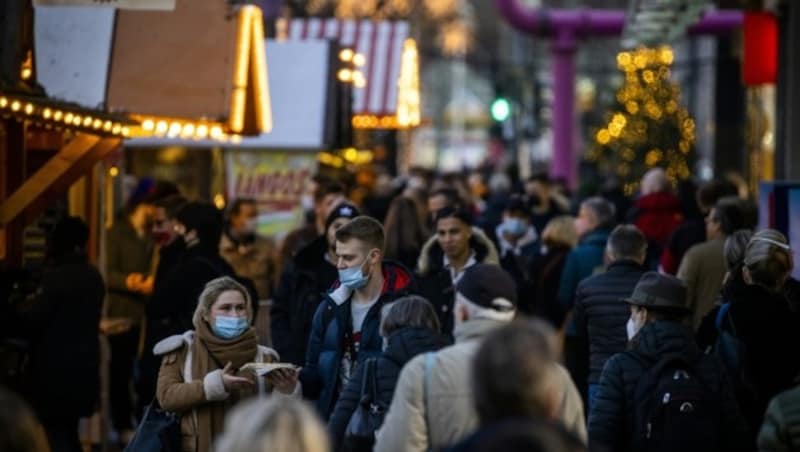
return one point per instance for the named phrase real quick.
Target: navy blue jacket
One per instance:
(320, 376)
(402, 346)
(581, 264)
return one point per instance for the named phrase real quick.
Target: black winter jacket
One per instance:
(303, 283)
(769, 327)
(434, 280)
(62, 326)
(611, 420)
(402, 346)
(600, 314)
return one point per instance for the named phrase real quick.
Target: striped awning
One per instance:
(381, 43)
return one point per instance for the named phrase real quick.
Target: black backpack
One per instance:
(674, 409)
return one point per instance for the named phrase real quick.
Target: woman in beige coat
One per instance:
(201, 377)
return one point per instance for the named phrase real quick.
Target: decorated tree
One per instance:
(649, 128)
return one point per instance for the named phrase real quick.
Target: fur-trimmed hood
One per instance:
(432, 256)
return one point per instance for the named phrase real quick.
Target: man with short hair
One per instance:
(251, 255)
(593, 225)
(434, 402)
(517, 240)
(544, 201)
(310, 273)
(600, 314)
(345, 330)
(703, 266)
(455, 247)
(663, 393)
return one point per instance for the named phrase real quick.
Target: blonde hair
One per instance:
(211, 293)
(560, 231)
(276, 424)
(768, 258)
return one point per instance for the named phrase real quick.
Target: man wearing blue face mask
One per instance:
(345, 329)
(517, 240)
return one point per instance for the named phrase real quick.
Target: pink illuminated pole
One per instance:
(565, 28)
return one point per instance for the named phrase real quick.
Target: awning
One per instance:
(382, 44)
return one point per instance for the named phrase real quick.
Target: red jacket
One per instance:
(657, 215)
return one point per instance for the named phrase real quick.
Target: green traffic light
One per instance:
(501, 109)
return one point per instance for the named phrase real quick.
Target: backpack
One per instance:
(368, 416)
(732, 353)
(674, 410)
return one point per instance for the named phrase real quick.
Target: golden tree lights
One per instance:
(408, 101)
(650, 127)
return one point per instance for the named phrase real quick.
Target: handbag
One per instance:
(159, 431)
(368, 416)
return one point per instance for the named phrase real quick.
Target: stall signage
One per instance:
(156, 5)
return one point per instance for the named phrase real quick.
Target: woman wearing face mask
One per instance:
(201, 377)
(767, 323)
(518, 242)
(409, 327)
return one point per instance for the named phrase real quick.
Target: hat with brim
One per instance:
(660, 292)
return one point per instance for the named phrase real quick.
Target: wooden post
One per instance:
(12, 175)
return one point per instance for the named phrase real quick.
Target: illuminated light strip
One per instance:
(50, 116)
(259, 72)
(375, 122)
(244, 24)
(179, 128)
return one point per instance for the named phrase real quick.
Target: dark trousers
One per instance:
(62, 433)
(576, 360)
(147, 380)
(123, 355)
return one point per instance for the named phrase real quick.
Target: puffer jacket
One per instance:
(303, 283)
(448, 415)
(600, 314)
(611, 421)
(402, 346)
(781, 429)
(581, 263)
(326, 345)
(435, 282)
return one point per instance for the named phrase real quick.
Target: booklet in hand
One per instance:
(262, 369)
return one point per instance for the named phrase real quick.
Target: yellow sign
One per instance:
(276, 180)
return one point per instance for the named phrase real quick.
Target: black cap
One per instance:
(659, 292)
(343, 210)
(483, 284)
(515, 203)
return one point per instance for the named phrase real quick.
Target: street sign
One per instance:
(159, 5)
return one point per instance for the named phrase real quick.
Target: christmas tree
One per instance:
(649, 128)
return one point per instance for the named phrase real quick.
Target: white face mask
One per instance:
(633, 327)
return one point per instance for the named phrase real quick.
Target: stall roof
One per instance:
(380, 42)
(299, 74)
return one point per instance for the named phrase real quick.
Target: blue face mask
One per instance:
(515, 226)
(229, 327)
(353, 277)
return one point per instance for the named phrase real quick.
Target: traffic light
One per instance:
(501, 109)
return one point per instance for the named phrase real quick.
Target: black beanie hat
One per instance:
(343, 210)
(204, 218)
(483, 284)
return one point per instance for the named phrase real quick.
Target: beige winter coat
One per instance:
(189, 395)
(450, 410)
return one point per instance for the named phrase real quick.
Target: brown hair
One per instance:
(514, 372)
(627, 242)
(404, 228)
(212, 291)
(19, 429)
(412, 311)
(560, 231)
(364, 228)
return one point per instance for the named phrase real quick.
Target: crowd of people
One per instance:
(440, 313)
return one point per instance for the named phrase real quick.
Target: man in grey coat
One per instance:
(433, 405)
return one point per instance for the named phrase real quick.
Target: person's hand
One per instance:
(231, 381)
(146, 287)
(134, 281)
(284, 380)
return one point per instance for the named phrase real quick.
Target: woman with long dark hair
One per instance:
(405, 231)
